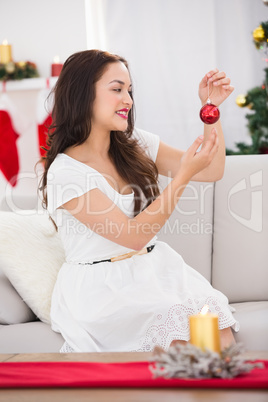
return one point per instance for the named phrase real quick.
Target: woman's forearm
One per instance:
(215, 170)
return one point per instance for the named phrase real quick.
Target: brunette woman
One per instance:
(120, 288)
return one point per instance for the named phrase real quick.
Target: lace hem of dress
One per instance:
(174, 325)
(66, 348)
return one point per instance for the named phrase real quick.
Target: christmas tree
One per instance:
(256, 100)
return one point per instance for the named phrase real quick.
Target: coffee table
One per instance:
(121, 394)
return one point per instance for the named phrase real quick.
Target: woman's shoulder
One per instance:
(68, 178)
(69, 170)
(65, 162)
(59, 162)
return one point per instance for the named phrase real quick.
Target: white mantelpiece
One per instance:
(28, 84)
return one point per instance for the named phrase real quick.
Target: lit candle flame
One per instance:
(204, 310)
(5, 42)
(56, 60)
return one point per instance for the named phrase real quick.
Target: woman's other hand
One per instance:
(194, 161)
(219, 87)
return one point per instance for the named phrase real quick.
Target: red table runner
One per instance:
(113, 375)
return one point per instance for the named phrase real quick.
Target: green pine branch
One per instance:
(257, 101)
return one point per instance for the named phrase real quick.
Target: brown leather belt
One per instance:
(123, 256)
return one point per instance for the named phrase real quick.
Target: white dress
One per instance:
(129, 305)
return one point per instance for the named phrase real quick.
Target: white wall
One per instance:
(38, 30)
(41, 29)
(170, 45)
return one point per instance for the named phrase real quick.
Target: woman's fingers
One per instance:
(212, 139)
(217, 76)
(193, 161)
(215, 143)
(228, 87)
(219, 87)
(220, 79)
(210, 146)
(212, 72)
(195, 145)
(211, 76)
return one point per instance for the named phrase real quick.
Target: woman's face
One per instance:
(113, 99)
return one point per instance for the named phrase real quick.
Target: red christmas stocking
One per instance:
(9, 159)
(44, 119)
(42, 134)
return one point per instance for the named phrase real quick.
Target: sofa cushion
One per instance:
(189, 230)
(31, 255)
(241, 229)
(13, 310)
(31, 337)
(253, 319)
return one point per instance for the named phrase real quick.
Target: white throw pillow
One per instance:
(31, 254)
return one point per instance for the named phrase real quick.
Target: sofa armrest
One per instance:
(13, 310)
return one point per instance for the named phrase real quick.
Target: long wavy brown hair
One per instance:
(74, 95)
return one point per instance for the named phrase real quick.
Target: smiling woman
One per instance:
(120, 289)
(87, 126)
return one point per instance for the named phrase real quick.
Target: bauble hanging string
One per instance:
(209, 113)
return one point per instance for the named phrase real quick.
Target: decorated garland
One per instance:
(189, 361)
(18, 70)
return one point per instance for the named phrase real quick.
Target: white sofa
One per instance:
(221, 230)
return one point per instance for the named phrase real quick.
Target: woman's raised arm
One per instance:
(168, 158)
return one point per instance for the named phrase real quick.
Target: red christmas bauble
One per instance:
(209, 114)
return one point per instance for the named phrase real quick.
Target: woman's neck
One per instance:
(95, 147)
(97, 144)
